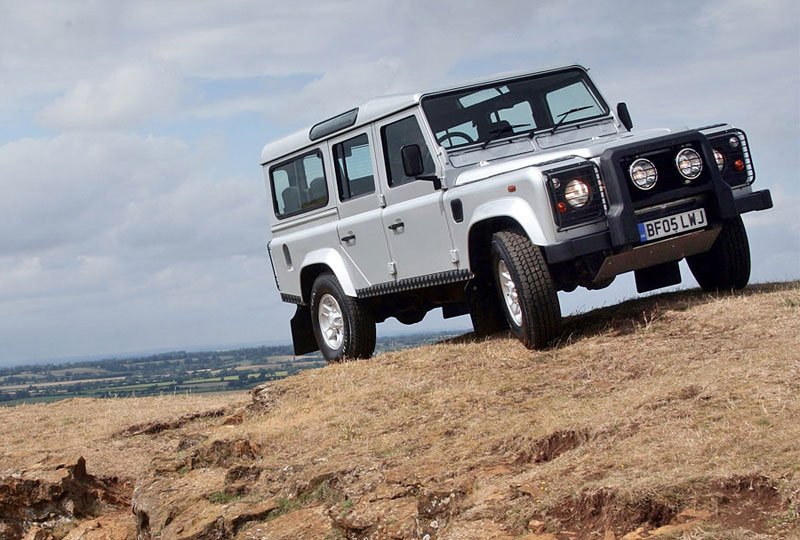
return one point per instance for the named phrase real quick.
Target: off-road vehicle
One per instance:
(487, 198)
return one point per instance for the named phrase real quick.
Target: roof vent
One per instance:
(332, 125)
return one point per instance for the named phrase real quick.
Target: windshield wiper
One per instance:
(495, 133)
(563, 116)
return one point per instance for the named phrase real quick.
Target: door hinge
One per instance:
(454, 256)
(382, 200)
(393, 268)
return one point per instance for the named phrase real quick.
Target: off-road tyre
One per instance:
(726, 266)
(358, 323)
(536, 293)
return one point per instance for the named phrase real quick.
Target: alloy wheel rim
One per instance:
(331, 321)
(509, 290)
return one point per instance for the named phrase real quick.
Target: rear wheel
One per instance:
(343, 326)
(526, 289)
(726, 265)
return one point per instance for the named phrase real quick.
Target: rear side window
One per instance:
(299, 185)
(354, 175)
(397, 135)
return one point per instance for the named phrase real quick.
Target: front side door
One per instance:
(361, 236)
(414, 218)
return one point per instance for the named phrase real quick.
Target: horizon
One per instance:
(134, 207)
(396, 330)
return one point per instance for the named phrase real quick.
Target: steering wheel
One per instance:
(455, 134)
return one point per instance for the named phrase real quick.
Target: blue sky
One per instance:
(132, 205)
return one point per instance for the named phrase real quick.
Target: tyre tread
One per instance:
(540, 299)
(360, 335)
(726, 266)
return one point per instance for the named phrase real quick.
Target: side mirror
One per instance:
(413, 166)
(624, 116)
(412, 160)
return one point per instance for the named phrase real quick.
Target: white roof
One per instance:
(377, 108)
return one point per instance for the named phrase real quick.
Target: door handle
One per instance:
(397, 225)
(348, 238)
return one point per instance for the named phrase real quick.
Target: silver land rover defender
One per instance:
(488, 198)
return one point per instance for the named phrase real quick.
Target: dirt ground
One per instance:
(672, 416)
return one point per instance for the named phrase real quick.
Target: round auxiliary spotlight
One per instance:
(689, 163)
(643, 174)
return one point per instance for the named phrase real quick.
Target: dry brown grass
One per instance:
(41, 435)
(662, 396)
(644, 411)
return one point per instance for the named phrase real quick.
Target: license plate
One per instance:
(670, 225)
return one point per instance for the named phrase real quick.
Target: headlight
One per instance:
(720, 159)
(643, 173)
(689, 163)
(577, 193)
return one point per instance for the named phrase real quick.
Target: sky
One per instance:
(133, 213)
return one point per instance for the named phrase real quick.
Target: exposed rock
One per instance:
(265, 396)
(117, 526)
(37, 533)
(33, 504)
(242, 473)
(151, 428)
(305, 523)
(223, 453)
(387, 518)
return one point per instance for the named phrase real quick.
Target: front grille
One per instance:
(593, 211)
(669, 179)
(720, 142)
(669, 209)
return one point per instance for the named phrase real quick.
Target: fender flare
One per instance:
(333, 260)
(514, 208)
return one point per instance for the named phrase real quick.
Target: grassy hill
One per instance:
(672, 416)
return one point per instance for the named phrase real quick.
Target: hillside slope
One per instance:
(671, 416)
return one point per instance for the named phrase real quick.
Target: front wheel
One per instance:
(343, 326)
(726, 265)
(526, 289)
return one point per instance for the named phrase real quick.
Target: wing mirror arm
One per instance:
(624, 116)
(413, 166)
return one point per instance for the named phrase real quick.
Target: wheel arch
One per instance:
(318, 262)
(480, 236)
(496, 215)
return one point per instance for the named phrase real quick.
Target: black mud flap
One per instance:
(484, 308)
(658, 276)
(302, 332)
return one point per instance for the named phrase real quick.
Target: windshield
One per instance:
(482, 114)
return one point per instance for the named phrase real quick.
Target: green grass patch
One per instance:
(220, 497)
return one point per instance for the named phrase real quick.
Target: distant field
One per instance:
(59, 383)
(211, 371)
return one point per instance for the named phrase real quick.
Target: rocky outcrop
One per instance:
(49, 502)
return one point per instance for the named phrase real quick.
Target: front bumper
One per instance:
(757, 200)
(602, 242)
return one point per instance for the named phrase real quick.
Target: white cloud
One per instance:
(113, 242)
(129, 96)
(116, 241)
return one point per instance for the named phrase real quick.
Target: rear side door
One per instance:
(414, 219)
(361, 234)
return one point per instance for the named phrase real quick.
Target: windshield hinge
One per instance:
(382, 200)
(454, 256)
(392, 268)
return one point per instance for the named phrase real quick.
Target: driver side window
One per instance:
(397, 135)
